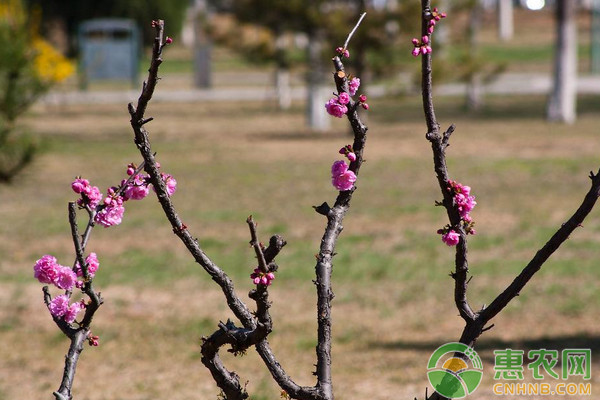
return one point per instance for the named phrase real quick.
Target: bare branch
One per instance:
(362, 16)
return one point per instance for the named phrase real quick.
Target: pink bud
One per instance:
(346, 54)
(425, 39)
(443, 15)
(362, 98)
(415, 41)
(168, 40)
(351, 156)
(430, 29)
(339, 50)
(365, 106)
(416, 51)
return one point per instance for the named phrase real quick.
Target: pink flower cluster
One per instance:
(464, 203)
(423, 46)
(59, 307)
(109, 212)
(90, 195)
(462, 199)
(262, 278)
(341, 177)
(92, 265)
(48, 270)
(338, 105)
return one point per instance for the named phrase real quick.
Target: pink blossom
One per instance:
(59, 305)
(353, 85)
(90, 196)
(137, 189)
(451, 238)
(92, 265)
(94, 196)
(261, 278)
(344, 98)
(336, 109)
(464, 203)
(351, 156)
(112, 213)
(338, 168)
(344, 181)
(72, 312)
(46, 269)
(65, 278)
(170, 182)
(79, 185)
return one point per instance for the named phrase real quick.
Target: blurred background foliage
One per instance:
(29, 67)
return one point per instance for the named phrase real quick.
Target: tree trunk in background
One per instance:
(202, 46)
(563, 99)
(318, 92)
(283, 90)
(505, 20)
(474, 86)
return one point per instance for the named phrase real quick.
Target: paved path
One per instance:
(518, 84)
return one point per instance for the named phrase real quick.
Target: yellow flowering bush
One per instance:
(29, 66)
(49, 65)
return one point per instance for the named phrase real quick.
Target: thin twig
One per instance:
(362, 16)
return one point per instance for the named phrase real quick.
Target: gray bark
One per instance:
(505, 20)
(202, 48)
(563, 99)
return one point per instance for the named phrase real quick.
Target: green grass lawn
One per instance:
(390, 272)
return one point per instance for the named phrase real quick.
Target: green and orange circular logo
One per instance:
(454, 370)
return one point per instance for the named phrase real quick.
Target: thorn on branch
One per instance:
(323, 209)
(447, 134)
(145, 121)
(487, 328)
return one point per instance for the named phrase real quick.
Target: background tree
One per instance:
(563, 99)
(70, 13)
(375, 45)
(29, 66)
